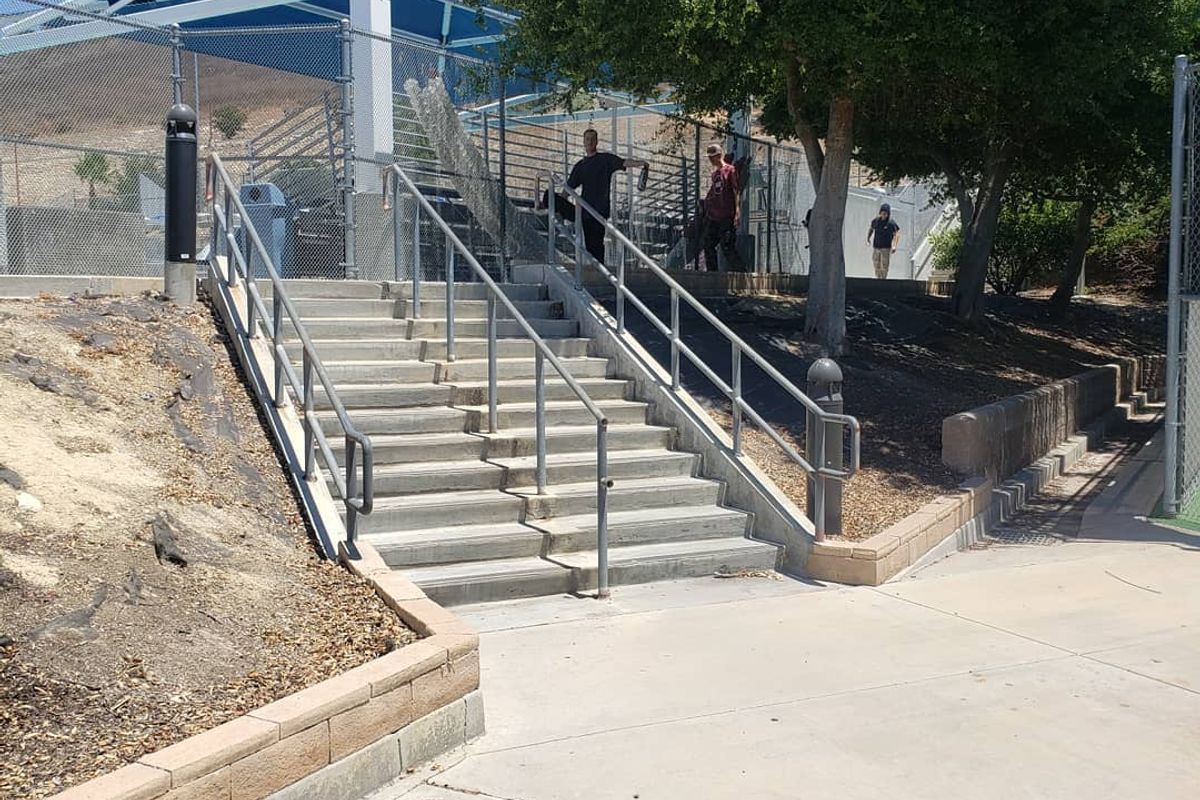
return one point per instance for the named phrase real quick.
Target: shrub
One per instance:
(229, 120)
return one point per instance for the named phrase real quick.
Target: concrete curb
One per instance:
(27, 286)
(955, 522)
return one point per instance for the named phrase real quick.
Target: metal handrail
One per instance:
(393, 178)
(238, 259)
(739, 348)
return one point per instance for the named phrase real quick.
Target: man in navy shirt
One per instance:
(592, 176)
(884, 238)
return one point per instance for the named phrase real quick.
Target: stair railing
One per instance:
(826, 467)
(227, 207)
(398, 187)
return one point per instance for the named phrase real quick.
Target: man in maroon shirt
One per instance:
(722, 212)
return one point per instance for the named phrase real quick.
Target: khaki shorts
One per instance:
(881, 259)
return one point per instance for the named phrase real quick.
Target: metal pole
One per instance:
(1174, 312)
(578, 244)
(310, 466)
(565, 167)
(346, 79)
(770, 202)
(736, 381)
(196, 83)
(823, 446)
(621, 292)
(277, 342)
(351, 490)
(493, 393)
(487, 155)
(539, 402)
(602, 484)
(674, 338)
(628, 183)
(449, 299)
(551, 233)
(176, 65)
(503, 180)
(417, 268)
(396, 249)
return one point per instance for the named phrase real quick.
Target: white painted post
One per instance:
(372, 58)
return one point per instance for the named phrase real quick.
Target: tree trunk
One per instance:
(825, 313)
(1074, 267)
(978, 235)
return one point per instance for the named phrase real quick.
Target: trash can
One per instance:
(272, 217)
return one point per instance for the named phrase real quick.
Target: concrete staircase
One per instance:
(455, 506)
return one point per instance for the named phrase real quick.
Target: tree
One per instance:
(1009, 88)
(812, 67)
(93, 168)
(229, 120)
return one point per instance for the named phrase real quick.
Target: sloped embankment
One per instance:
(156, 578)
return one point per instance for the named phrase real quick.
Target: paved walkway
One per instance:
(1065, 668)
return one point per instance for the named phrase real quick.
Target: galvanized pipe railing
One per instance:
(222, 193)
(739, 349)
(398, 187)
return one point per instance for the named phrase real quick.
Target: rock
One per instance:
(77, 623)
(27, 502)
(166, 541)
(186, 392)
(133, 587)
(103, 343)
(10, 476)
(7, 641)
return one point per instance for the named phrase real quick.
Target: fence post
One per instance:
(823, 447)
(1171, 497)
(346, 79)
(176, 65)
(503, 179)
(770, 203)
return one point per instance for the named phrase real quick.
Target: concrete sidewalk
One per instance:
(1069, 671)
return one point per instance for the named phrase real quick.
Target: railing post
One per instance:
(736, 385)
(539, 413)
(310, 466)
(397, 274)
(276, 343)
(351, 491)
(449, 299)
(493, 399)
(346, 79)
(674, 338)
(621, 292)
(418, 268)
(602, 484)
(248, 253)
(487, 155)
(176, 64)
(823, 447)
(552, 198)
(565, 163)
(578, 243)
(229, 232)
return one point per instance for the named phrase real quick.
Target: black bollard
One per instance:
(179, 267)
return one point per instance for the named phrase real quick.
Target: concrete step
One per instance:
(574, 438)
(333, 350)
(475, 369)
(558, 412)
(303, 288)
(477, 309)
(515, 391)
(506, 328)
(417, 447)
(572, 468)
(413, 512)
(432, 419)
(346, 372)
(669, 560)
(561, 468)
(353, 328)
(387, 395)
(457, 544)
(486, 581)
(473, 349)
(566, 500)
(431, 290)
(344, 308)
(645, 526)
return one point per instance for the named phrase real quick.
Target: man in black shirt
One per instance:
(592, 175)
(884, 238)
